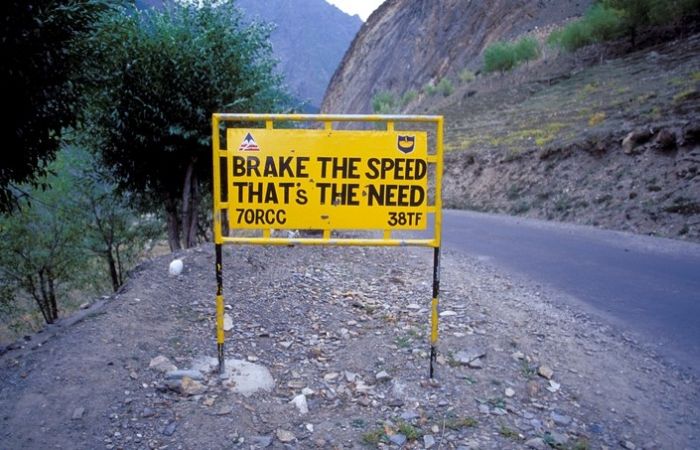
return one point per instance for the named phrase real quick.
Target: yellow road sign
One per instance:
(327, 179)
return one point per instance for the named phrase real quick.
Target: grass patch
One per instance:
(600, 23)
(403, 342)
(466, 76)
(374, 437)
(596, 119)
(412, 433)
(461, 422)
(505, 56)
(509, 433)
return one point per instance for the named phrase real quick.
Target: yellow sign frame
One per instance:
(387, 239)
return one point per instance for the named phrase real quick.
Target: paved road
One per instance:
(649, 286)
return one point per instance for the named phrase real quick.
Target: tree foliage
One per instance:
(157, 77)
(504, 56)
(36, 82)
(73, 235)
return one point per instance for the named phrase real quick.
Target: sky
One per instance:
(363, 8)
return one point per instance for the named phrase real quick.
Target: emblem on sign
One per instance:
(406, 144)
(248, 144)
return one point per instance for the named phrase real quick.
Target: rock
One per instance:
(557, 439)
(630, 142)
(428, 441)
(170, 428)
(261, 441)
(533, 388)
(553, 386)
(476, 364)
(517, 356)
(382, 376)
(133, 375)
(395, 403)
(332, 376)
(300, 402)
(246, 378)
(509, 392)
(78, 413)
(182, 373)
(666, 140)
(85, 305)
(285, 436)
(188, 386)
(537, 444)
(560, 419)
(546, 372)
(228, 322)
(176, 267)
(162, 364)
(628, 445)
(308, 392)
(408, 416)
(448, 313)
(147, 412)
(398, 439)
(309, 427)
(466, 356)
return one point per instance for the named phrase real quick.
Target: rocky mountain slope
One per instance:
(309, 39)
(605, 136)
(405, 44)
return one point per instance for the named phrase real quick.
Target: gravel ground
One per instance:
(344, 332)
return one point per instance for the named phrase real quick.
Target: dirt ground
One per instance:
(347, 329)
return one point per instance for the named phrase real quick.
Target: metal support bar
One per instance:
(434, 309)
(220, 310)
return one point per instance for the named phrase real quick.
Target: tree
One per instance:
(40, 247)
(39, 96)
(157, 77)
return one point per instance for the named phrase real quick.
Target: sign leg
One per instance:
(434, 309)
(219, 310)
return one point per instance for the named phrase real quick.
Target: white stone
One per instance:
(510, 392)
(176, 267)
(161, 364)
(300, 402)
(228, 322)
(448, 313)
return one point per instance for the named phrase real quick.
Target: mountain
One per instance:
(406, 44)
(309, 40)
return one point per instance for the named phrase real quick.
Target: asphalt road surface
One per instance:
(650, 287)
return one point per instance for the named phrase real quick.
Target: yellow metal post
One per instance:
(218, 242)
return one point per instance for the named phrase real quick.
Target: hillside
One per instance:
(341, 333)
(545, 140)
(406, 44)
(309, 39)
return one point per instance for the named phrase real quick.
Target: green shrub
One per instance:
(499, 56)
(504, 56)
(430, 89)
(445, 87)
(384, 102)
(600, 23)
(466, 76)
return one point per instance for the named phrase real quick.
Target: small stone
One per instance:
(510, 392)
(147, 412)
(308, 392)
(228, 322)
(188, 386)
(284, 435)
(536, 444)
(382, 376)
(553, 386)
(78, 413)
(666, 139)
(261, 441)
(546, 372)
(332, 376)
(476, 364)
(395, 403)
(533, 388)
(85, 305)
(428, 441)
(309, 427)
(169, 429)
(162, 364)
(224, 411)
(518, 356)
(398, 439)
(557, 439)
(181, 374)
(628, 445)
(448, 313)
(300, 402)
(252, 358)
(484, 409)
(468, 355)
(560, 419)
(133, 375)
